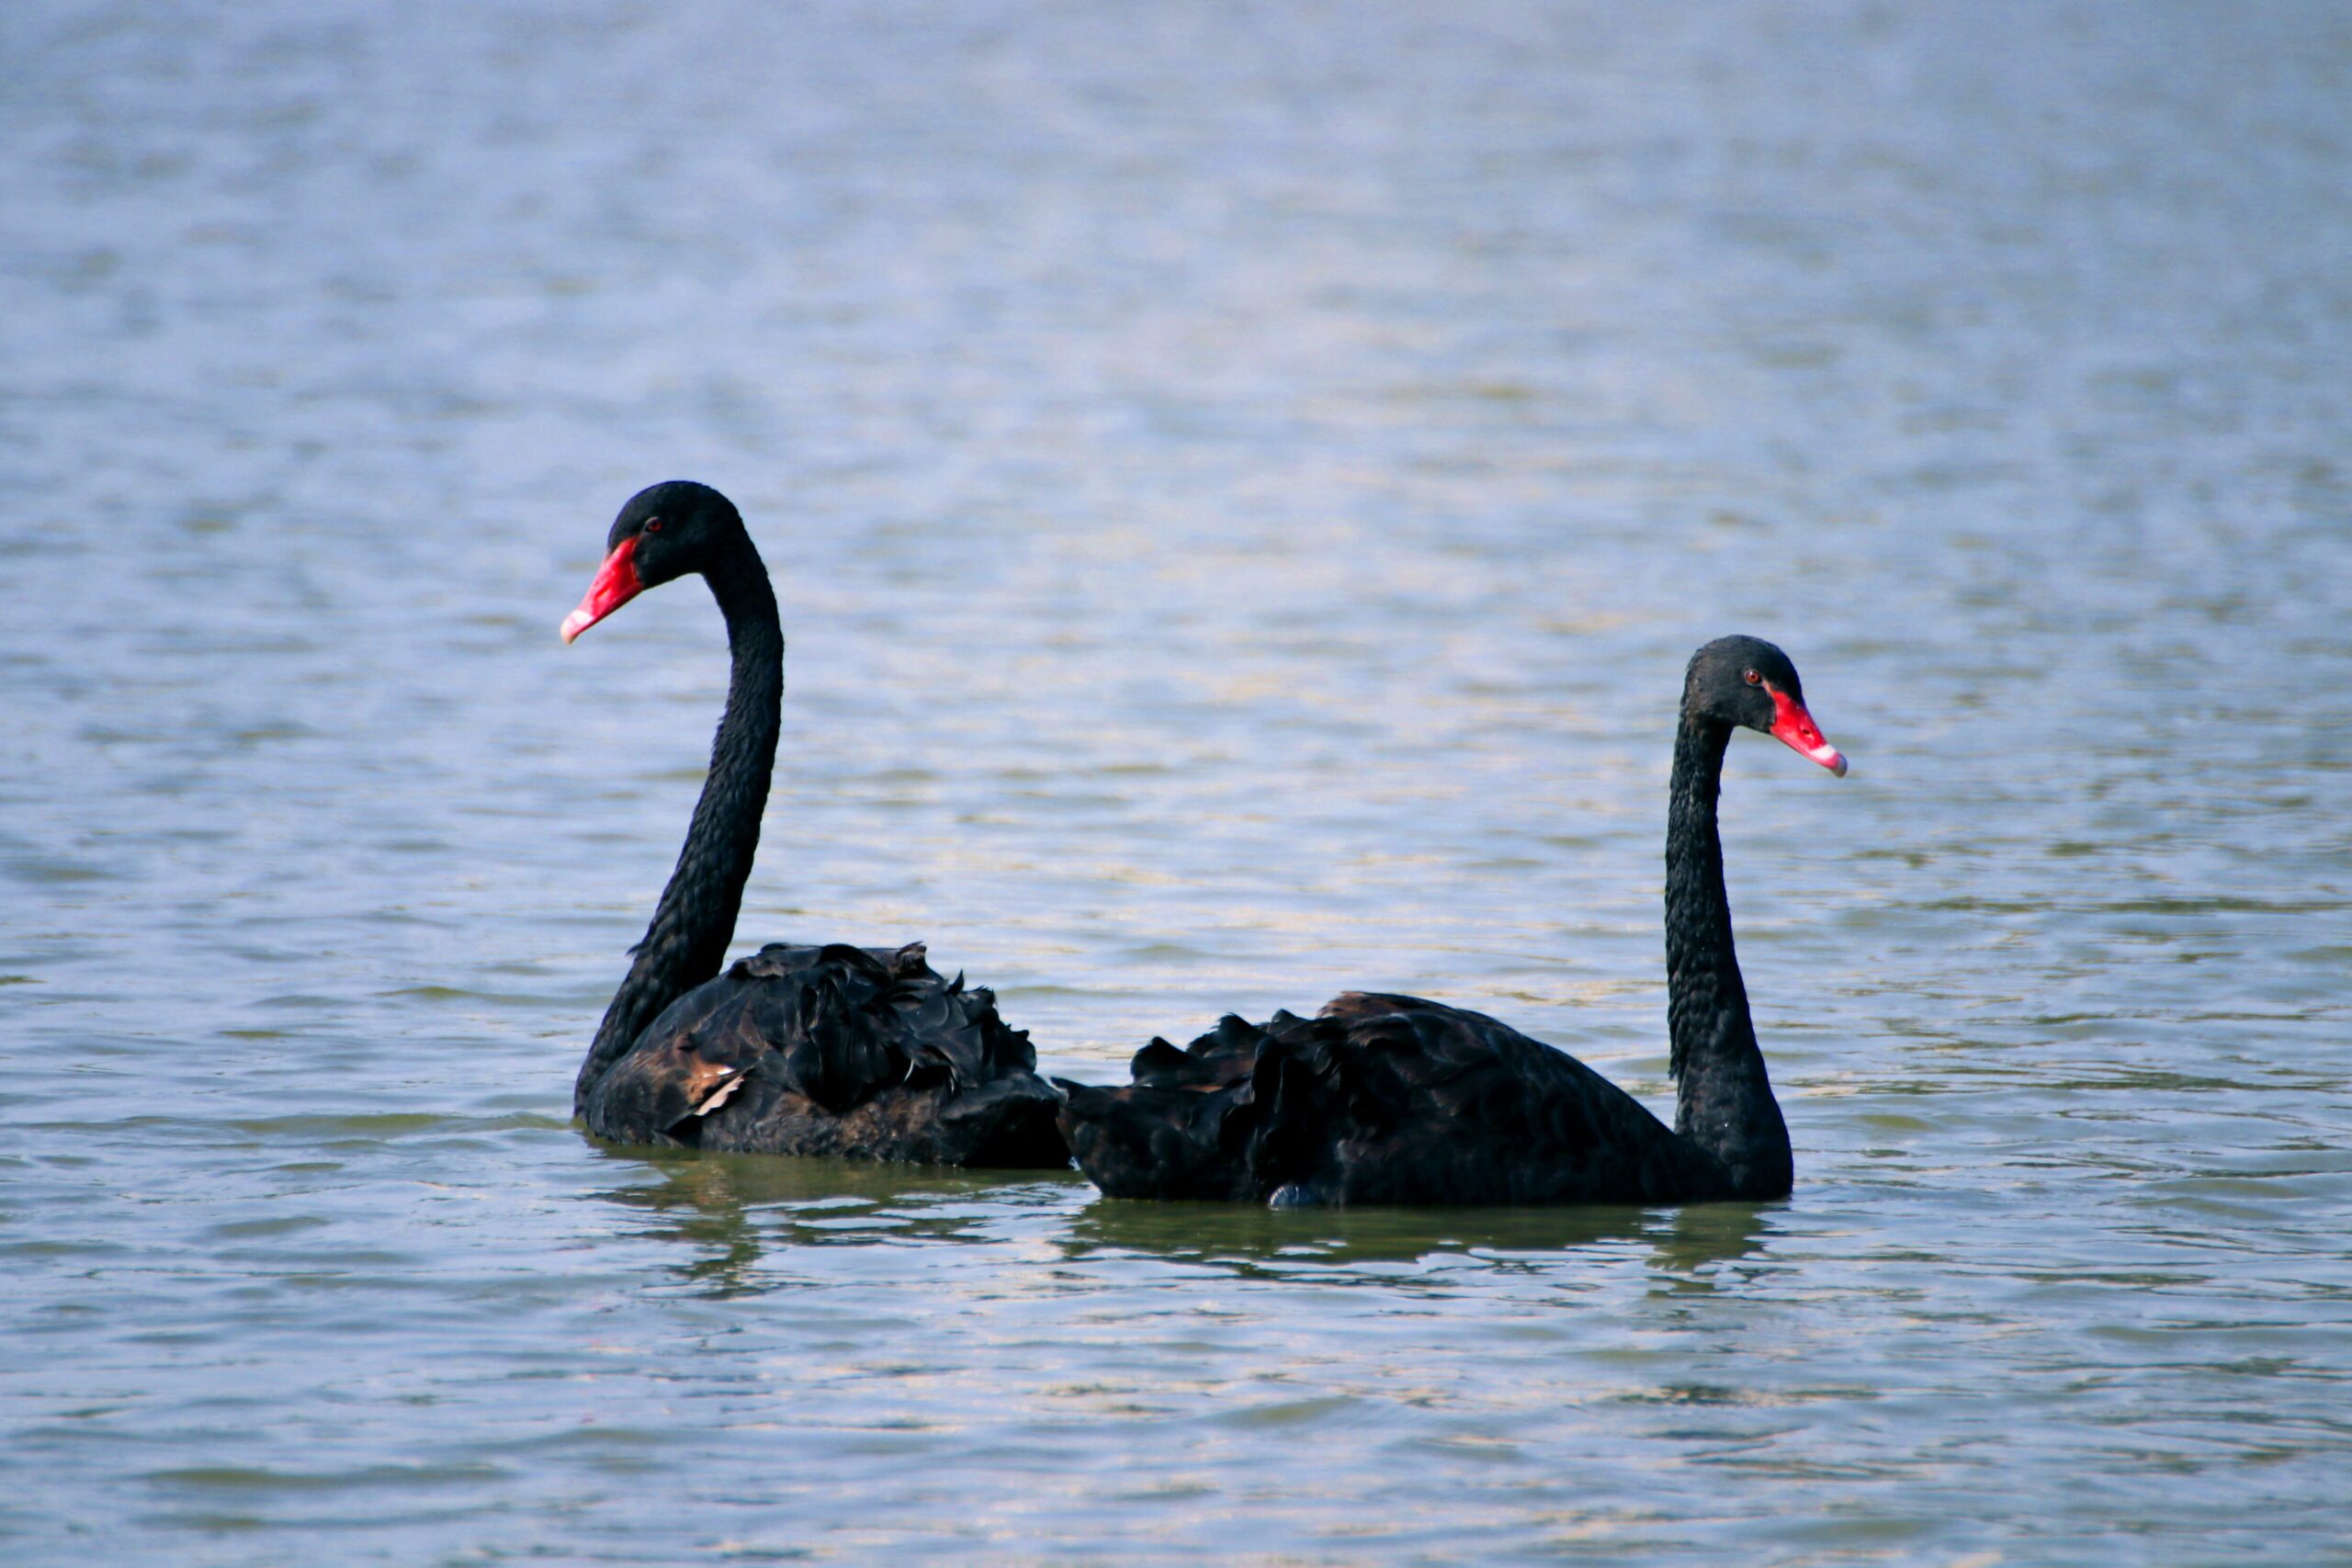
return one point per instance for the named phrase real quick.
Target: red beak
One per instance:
(615, 585)
(1795, 728)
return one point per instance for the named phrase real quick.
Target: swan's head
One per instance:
(1746, 680)
(667, 531)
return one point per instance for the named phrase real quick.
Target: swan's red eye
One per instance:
(653, 525)
(1752, 678)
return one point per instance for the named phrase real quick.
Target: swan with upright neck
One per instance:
(1393, 1100)
(861, 1053)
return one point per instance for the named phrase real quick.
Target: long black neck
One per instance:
(1725, 1105)
(687, 941)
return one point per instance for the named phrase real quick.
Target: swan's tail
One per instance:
(1007, 1123)
(1140, 1142)
(1182, 1129)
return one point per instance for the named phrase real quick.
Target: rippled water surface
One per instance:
(1242, 481)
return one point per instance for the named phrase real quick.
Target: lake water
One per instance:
(1242, 482)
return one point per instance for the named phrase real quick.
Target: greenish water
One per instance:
(1241, 482)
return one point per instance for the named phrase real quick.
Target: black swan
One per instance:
(1393, 1100)
(835, 1050)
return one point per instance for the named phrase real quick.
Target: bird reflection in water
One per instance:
(1697, 1246)
(1688, 1247)
(736, 1209)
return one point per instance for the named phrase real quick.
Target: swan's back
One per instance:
(1377, 1100)
(854, 1053)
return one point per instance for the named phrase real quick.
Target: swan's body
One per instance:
(1378, 1099)
(827, 1050)
(1394, 1100)
(848, 1051)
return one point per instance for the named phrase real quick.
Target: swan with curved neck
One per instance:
(1393, 1100)
(818, 1049)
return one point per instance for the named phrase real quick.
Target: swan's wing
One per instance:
(1378, 1099)
(1399, 1099)
(821, 1018)
(948, 1028)
(834, 1025)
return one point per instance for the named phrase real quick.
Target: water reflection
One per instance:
(734, 1210)
(1685, 1245)
(1690, 1247)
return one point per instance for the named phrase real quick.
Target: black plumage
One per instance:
(839, 1051)
(1394, 1100)
(831, 1050)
